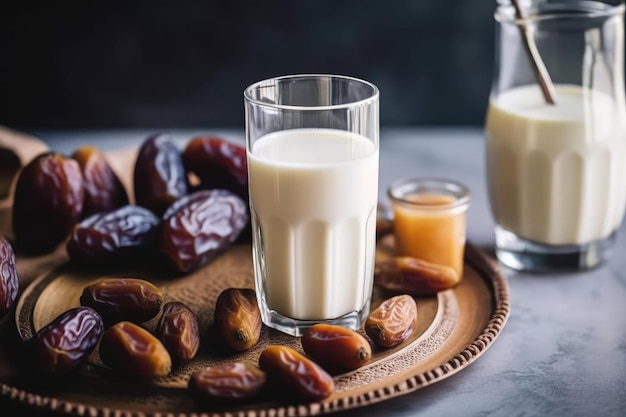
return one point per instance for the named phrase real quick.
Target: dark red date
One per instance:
(130, 349)
(66, 342)
(115, 235)
(159, 177)
(199, 226)
(238, 318)
(179, 331)
(9, 283)
(295, 373)
(405, 274)
(104, 191)
(336, 348)
(121, 299)
(393, 321)
(48, 201)
(218, 164)
(228, 382)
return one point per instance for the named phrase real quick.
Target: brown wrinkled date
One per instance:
(48, 201)
(414, 276)
(218, 164)
(228, 382)
(393, 321)
(295, 373)
(9, 282)
(117, 299)
(103, 189)
(238, 318)
(336, 348)
(67, 341)
(199, 226)
(159, 177)
(130, 349)
(118, 234)
(179, 331)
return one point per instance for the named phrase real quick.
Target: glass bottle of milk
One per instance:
(557, 172)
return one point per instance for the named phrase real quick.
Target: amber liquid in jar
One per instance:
(430, 228)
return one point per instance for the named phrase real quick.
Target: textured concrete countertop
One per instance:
(563, 350)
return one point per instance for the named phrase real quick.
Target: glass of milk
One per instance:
(312, 144)
(557, 172)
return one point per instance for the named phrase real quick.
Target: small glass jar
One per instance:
(430, 220)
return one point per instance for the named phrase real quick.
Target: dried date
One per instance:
(336, 348)
(9, 283)
(199, 226)
(228, 382)
(159, 177)
(123, 299)
(118, 234)
(393, 321)
(132, 350)
(218, 164)
(414, 276)
(238, 318)
(295, 373)
(48, 201)
(67, 341)
(179, 331)
(104, 191)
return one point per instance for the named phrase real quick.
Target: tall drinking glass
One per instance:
(557, 172)
(312, 144)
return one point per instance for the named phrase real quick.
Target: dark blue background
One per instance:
(118, 64)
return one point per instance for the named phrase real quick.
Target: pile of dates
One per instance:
(113, 314)
(306, 376)
(190, 205)
(112, 318)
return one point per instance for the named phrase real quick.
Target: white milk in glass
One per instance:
(313, 194)
(557, 174)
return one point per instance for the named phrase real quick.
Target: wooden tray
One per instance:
(454, 329)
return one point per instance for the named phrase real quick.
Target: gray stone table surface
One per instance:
(563, 350)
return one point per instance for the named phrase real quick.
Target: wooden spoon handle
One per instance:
(543, 77)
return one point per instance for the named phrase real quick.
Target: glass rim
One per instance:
(402, 187)
(269, 82)
(606, 10)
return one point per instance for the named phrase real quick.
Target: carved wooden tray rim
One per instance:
(487, 270)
